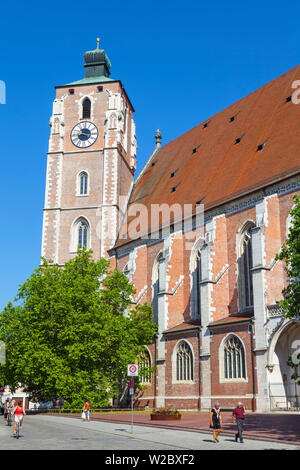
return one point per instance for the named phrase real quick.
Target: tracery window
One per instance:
(184, 362)
(245, 268)
(234, 359)
(144, 363)
(196, 276)
(83, 229)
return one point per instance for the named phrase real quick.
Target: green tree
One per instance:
(290, 253)
(72, 332)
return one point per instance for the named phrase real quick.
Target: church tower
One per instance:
(91, 162)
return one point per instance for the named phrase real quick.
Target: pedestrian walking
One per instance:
(9, 407)
(19, 412)
(216, 421)
(86, 410)
(238, 417)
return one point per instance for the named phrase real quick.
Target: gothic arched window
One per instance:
(234, 359)
(184, 362)
(80, 234)
(82, 231)
(245, 268)
(196, 287)
(196, 277)
(86, 108)
(144, 363)
(83, 183)
(158, 283)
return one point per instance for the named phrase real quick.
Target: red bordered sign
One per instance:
(131, 382)
(132, 370)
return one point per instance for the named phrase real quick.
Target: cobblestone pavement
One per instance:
(57, 432)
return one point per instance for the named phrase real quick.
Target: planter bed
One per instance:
(157, 417)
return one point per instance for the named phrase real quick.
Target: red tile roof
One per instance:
(220, 169)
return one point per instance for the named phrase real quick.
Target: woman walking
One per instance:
(216, 421)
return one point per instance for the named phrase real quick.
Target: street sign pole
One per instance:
(132, 413)
(132, 371)
(131, 392)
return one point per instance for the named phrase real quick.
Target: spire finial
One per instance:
(158, 138)
(98, 40)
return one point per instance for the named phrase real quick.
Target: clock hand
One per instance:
(82, 133)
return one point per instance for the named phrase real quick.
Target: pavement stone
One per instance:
(43, 432)
(273, 427)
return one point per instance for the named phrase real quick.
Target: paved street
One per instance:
(278, 427)
(53, 433)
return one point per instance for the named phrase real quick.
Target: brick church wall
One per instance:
(229, 392)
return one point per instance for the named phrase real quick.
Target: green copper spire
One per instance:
(97, 64)
(97, 67)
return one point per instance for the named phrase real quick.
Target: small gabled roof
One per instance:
(184, 326)
(231, 319)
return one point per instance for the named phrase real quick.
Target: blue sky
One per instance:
(180, 62)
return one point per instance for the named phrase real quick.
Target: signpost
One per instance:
(132, 371)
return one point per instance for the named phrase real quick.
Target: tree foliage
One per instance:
(290, 253)
(72, 332)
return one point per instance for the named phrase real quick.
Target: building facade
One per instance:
(196, 232)
(91, 162)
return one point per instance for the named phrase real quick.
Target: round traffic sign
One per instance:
(133, 368)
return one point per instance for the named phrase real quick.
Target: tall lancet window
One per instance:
(245, 263)
(83, 183)
(158, 283)
(144, 363)
(83, 230)
(196, 278)
(197, 287)
(184, 362)
(86, 108)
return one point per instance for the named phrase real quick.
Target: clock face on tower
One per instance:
(84, 134)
